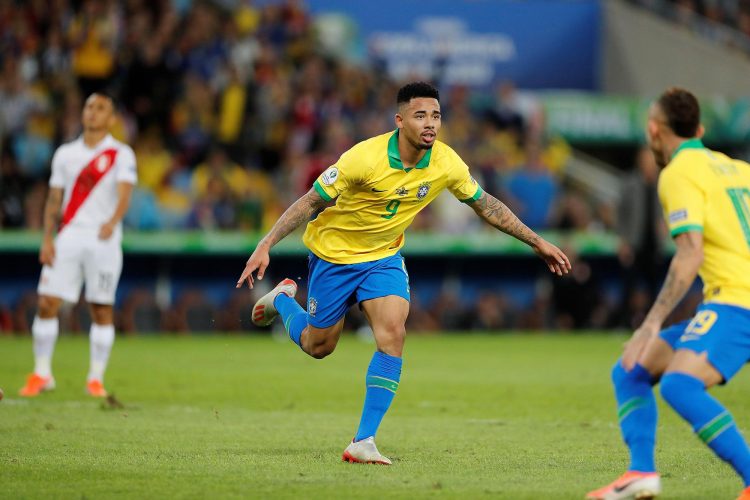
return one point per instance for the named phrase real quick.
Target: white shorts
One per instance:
(81, 256)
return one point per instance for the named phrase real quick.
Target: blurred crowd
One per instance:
(233, 109)
(727, 21)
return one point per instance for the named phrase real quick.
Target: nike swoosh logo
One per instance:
(621, 488)
(378, 190)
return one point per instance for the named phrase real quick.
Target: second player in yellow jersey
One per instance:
(707, 191)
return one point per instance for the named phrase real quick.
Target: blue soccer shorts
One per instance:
(721, 331)
(333, 288)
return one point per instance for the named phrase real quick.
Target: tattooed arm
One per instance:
(51, 220)
(498, 215)
(682, 272)
(300, 211)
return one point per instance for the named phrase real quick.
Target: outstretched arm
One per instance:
(300, 211)
(498, 215)
(682, 272)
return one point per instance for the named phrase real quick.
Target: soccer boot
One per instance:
(36, 384)
(96, 389)
(745, 495)
(364, 452)
(264, 312)
(631, 485)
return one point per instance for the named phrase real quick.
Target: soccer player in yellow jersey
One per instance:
(705, 196)
(379, 186)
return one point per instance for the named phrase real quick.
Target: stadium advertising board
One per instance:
(537, 43)
(601, 119)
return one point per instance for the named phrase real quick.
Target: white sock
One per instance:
(44, 332)
(102, 337)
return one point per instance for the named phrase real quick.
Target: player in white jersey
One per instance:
(89, 193)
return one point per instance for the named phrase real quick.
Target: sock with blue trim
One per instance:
(295, 318)
(383, 376)
(712, 423)
(636, 412)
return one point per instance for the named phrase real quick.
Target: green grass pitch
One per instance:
(502, 416)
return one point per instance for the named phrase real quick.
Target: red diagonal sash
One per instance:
(86, 181)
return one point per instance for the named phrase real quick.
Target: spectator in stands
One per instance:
(94, 33)
(639, 229)
(12, 189)
(577, 297)
(532, 190)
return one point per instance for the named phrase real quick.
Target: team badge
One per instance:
(330, 176)
(312, 306)
(102, 163)
(423, 189)
(402, 191)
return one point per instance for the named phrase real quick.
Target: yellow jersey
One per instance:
(377, 198)
(703, 190)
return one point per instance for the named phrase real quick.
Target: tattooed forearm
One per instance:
(498, 215)
(682, 272)
(671, 293)
(300, 212)
(52, 211)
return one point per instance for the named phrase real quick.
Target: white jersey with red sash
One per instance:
(89, 178)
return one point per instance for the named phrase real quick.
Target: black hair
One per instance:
(107, 95)
(416, 89)
(682, 111)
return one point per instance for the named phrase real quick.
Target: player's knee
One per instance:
(47, 307)
(320, 351)
(637, 375)
(395, 330)
(102, 315)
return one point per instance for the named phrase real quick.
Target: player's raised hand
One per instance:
(258, 261)
(556, 260)
(47, 252)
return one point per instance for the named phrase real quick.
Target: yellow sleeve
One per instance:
(683, 201)
(339, 177)
(462, 185)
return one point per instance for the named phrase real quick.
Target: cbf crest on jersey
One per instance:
(330, 176)
(312, 306)
(423, 189)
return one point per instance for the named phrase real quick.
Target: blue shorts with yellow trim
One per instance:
(333, 288)
(720, 330)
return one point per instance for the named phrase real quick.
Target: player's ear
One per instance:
(700, 132)
(399, 120)
(652, 127)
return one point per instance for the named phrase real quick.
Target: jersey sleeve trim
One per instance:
(321, 191)
(475, 197)
(686, 228)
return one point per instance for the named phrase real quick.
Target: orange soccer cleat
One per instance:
(745, 495)
(264, 312)
(36, 384)
(96, 389)
(632, 484)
